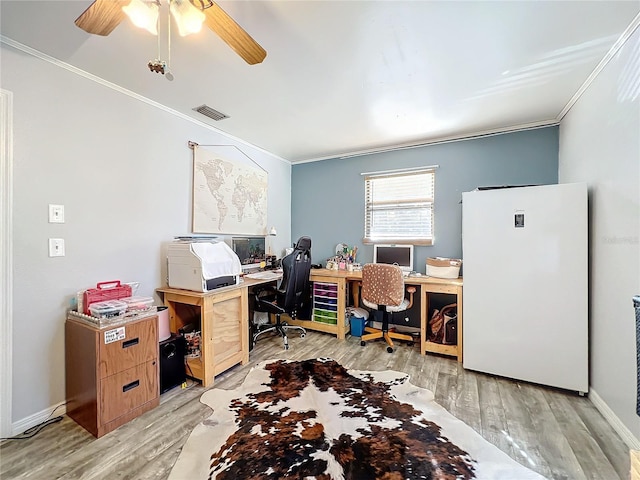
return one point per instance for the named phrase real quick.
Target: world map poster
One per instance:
(229, 192)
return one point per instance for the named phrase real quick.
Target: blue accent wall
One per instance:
(327, 197)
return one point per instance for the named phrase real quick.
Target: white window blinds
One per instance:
(399, 207)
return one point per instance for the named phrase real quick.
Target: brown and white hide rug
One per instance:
(314, 419)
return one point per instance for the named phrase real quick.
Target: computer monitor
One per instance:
(250, 251)
(401, 255)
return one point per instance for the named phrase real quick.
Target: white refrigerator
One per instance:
(525, 271)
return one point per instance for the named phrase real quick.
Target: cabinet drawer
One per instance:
(124, 391)
(324, 304)
(139, 345)
(325, 290)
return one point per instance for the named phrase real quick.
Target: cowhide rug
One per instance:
(314, 419)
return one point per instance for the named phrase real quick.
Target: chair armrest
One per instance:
(266, 299)
(264, 293)
(262, 289)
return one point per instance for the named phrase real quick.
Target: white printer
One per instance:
(202, 266)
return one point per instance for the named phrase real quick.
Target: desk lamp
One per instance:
(272, 233)
(270, 257)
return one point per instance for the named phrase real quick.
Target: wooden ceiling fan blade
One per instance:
(102, 16)
(234, 35)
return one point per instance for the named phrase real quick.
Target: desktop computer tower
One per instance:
(172, 370)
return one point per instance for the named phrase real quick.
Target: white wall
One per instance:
(123, 171)
(600, 145)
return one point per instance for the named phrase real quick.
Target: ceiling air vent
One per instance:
(211, 113)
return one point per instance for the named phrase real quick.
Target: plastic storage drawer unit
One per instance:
(325, 303)
(108, 308)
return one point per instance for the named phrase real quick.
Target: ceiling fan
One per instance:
(103, 16)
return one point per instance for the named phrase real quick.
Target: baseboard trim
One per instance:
(620, 428)
(38, 417)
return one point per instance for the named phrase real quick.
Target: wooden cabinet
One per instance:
(222, 318)
(452, 287)
(111, 372)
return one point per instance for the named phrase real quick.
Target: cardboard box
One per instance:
(441, 267)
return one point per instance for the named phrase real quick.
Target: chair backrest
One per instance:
(294, 287)
(382, 284)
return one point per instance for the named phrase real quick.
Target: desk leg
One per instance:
(460, 323)
(342, 307)
(173, 322)
(244, 325)
(424, 315)
(356, 293)
(207, 352)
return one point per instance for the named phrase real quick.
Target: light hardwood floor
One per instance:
(558, 434)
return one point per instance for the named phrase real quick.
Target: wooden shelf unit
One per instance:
(223, 317)
(452, 287)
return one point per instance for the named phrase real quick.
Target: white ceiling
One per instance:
(348, 76)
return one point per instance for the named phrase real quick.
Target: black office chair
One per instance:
(291, 296)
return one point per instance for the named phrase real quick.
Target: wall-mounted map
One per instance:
(229, 192)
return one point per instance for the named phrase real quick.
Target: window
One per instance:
(399, 207)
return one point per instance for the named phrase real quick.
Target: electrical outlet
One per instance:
(56, 247)
(56, 213)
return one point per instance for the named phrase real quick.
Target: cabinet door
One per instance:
(227, 327)
(139, 345)
(124, 391)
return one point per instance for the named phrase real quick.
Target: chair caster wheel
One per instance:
(409, 344)
(390, 349)
(302, 335)
(363, 343)
(286, 347)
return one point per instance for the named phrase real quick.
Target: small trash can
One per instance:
(357, 326)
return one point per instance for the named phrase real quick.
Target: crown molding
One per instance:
(603, 63)
(94, 78)
(437, 141)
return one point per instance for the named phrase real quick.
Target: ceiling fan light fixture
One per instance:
(143, 15)
(188, 18)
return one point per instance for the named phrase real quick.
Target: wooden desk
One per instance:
(224, 318)
(426, 284)
(223, 315)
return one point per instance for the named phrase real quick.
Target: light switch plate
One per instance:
(56, 247)
(56, 213)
